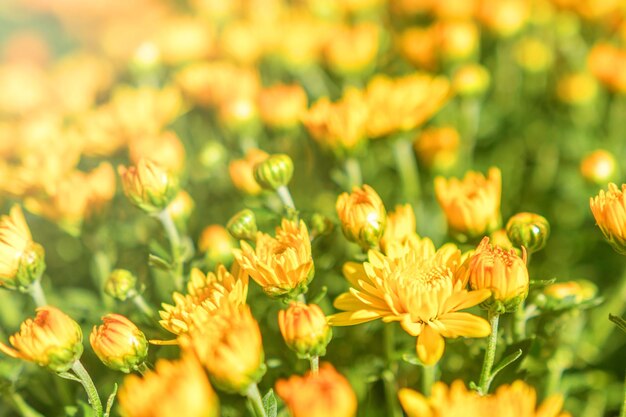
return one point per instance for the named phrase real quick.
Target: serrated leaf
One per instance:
(620, 322)
(269, 404)
(158, 262)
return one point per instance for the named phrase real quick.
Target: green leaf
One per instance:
(158, 262)
(110, 401)
(320, 296)
(541, 282)
(506, 361)
(620, 322)
(269, 404)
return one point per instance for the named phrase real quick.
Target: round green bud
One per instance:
(242, 225)
(121, 284)
(275, 172)
(529, 230)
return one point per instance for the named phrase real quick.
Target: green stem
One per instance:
(141, 303)
(315, 364)
(353, 171)
(37, 293)
(470, 111)
(519, 322)
(22, 406)
(254, 398)
(490, 355)
(407, 168)
(623, 412)
(428, 378)
(389, 374)
(172, 234)
(285, 197)
(90, 388)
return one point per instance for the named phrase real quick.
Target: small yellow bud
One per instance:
(502, 272)
(52, 340)
(119, 344)
(362, 215)
(181, 207)
(148, 186)
(598, 167)
(242, 226)
(242, 171)
(323, 394)
(121, 284)
(305, 329)
(609, 210)
(471, 80)
(21, 260)
(274, 172)
(217, 244)
(529, 230)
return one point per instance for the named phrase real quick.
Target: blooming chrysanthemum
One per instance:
(206, 292)
(21, 259)
(471, 205)
(174, 388)
(415, 285)
(281, 265)
(609, 210)
(323, 394)
(515, 400)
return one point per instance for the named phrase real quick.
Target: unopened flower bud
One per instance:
(52, 340)
(362, 215)
(242, 226)
(566, 294)
(119, 344)
(274, 172)
(305, 329)
(598, 167)
(529, 230)
(148, 186)
(321, 225)
(121, 284)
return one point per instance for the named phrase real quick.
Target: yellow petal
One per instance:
(465, 299)
(430, 346)
(414, 403)
(463, 324)
(352, 317)
(551, 406)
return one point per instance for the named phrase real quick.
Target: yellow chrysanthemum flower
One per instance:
(415, 285)
(174, 388)
(400, 227)
(228, 343)
(281, 265)
(471, 205)
(21, 259)
(515, 400)
(52, 340)
(609, 210)
(323, 394)
(205, 292)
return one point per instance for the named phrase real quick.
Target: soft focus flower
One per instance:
(501, 271)
(577, 88)
(305, 329)
(229, 345)
(119, 344)
(242, 171)
(504, 17)
(471, 205)
(217, 244)
(420, 46)
(323, 394)
(281, 265)
(174, 388)
(609, 210)
(608, 64)
(121, 284)
(438, 147)
(401, 226)
(148, 186)
(458, 39)
(164, 149)
(598, 166)
(353, 49)
(415, 285)
(205, 293)
(21, 259)
(362, 215)
(471, 80)
(516, 400)
(183, 38)
(533, 54)
(52, 340)
(569, 293)
(282, 105)
(529, 230)
(180, 208)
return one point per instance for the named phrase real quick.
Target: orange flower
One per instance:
(352, 49)
(281, 105)
(609, 210)
(217, 244)
(438, 147)
(242, 171)
(598, 167)
(323, 394)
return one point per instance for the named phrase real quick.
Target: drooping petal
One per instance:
(411, 327)
(464, 324)
(430, 346)
(465, 299)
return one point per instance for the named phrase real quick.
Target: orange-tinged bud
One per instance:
(323, 394)
(438, 147)
(598, 167)
(242, 171)
(148, 186)
(471, 205)
(217, 244)
(609, 210)
(282, 106)
(174, 388)
(52, 340)
(119, 344)
(362, 215)
(502, 272)
(305, 329)
(21, 259)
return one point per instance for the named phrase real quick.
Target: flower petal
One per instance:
(414, 403)
(430, 346)
(350, 318)
(466, 299)
(463, 324)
